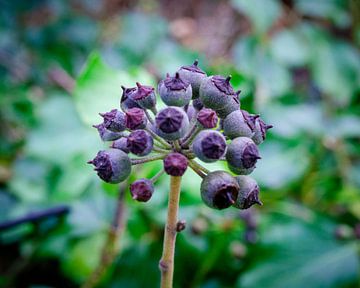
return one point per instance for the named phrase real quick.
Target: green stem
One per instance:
(147, 159)
(157, 175)
(199, 166)
(191, 135)
(197, 170)
(166, 263)
(158, 138)
(151, 120)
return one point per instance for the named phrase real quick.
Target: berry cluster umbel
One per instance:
(188, 128)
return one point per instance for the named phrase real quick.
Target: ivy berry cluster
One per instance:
(203, 120)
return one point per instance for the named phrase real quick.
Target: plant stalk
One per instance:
(166, 263)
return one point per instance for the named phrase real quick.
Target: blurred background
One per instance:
(297, 63)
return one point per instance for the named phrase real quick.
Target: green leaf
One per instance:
(262, 18)
(83, 257)
(301, 253)
(98, 88)
(289, 48)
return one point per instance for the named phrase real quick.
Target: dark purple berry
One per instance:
(114, 120)
(112, 166)
(126, 102)
(135, 118)
(260, 131)
(249, 119)
(235, 125)
(209, 146)
(207, 118)
(141, 190)
(171, 123)
(248, 193)
(219, 190)
(198, 105)
(242, 155)
(121, 144)
(175, 91)
(106, 134)
(194, 75)
(144, 96)
(216, 92)
(175, 164)
(140, 142)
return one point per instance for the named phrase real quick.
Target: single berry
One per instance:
(175, 91)
(140, 142)
(250, 119)
(216, 92)
(121, 144)
(242, 155)
(207, 118)
(106, 134)
(135, 118)
(175, 164)
(112, 166)
(171, 123)
(260, 131)
(114, 120)
(209, 146)
(144, 96)
(142, 189)
(219, 190)
(126, 102)
(235, 125)
(233, 105)
(248, 193)
(198, 105)
(194, 75)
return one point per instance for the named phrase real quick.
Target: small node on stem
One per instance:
(180, 225)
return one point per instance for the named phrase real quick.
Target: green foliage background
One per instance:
(298, 65)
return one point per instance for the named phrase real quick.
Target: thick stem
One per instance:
(166, 263)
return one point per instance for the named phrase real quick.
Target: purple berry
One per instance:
(135, 118)
(171, 123)
(219, 190)
(242, 155)
(260, 131)
(209, 146)
(121, 144)
(198, 105)
(107, 135)
(126, 102)
(216, 92)
(194, 75)
(248, 193)
(112, 166)
(236, 125)
(175, 164)
(191, 112)
(233, 105)
(140, 142)
(175, 91)
(141, 190)
(144, 96)
(207, 118)
(114, 120)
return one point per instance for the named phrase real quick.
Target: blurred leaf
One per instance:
(98, 88)
(297, 254)
(289, 48)
(279, 158)
(261, 18)
(332, 9)
(83, 257)
(60, 135)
